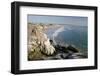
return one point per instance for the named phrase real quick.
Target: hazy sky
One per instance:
(72, 20)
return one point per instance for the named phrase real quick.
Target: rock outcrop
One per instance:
(38, 41)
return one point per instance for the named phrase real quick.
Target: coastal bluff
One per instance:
(40, 47)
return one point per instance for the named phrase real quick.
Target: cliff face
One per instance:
(39, 42)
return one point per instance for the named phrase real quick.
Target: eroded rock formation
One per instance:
(38, 41)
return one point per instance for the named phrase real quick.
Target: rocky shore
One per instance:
(62, 52)
(40, 47)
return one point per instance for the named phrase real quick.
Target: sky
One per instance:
(72, 20)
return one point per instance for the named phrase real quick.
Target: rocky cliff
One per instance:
(40, 47)
(38, 42)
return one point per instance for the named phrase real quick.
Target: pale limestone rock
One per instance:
(49, 49)
(39, 39)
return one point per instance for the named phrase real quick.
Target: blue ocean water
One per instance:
(70, 35)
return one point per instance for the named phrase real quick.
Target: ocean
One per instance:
(70, 35)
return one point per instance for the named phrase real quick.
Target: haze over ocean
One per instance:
(72, 20)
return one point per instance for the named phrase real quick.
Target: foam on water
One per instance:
(55, 34)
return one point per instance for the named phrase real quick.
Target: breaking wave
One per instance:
(55, 34)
